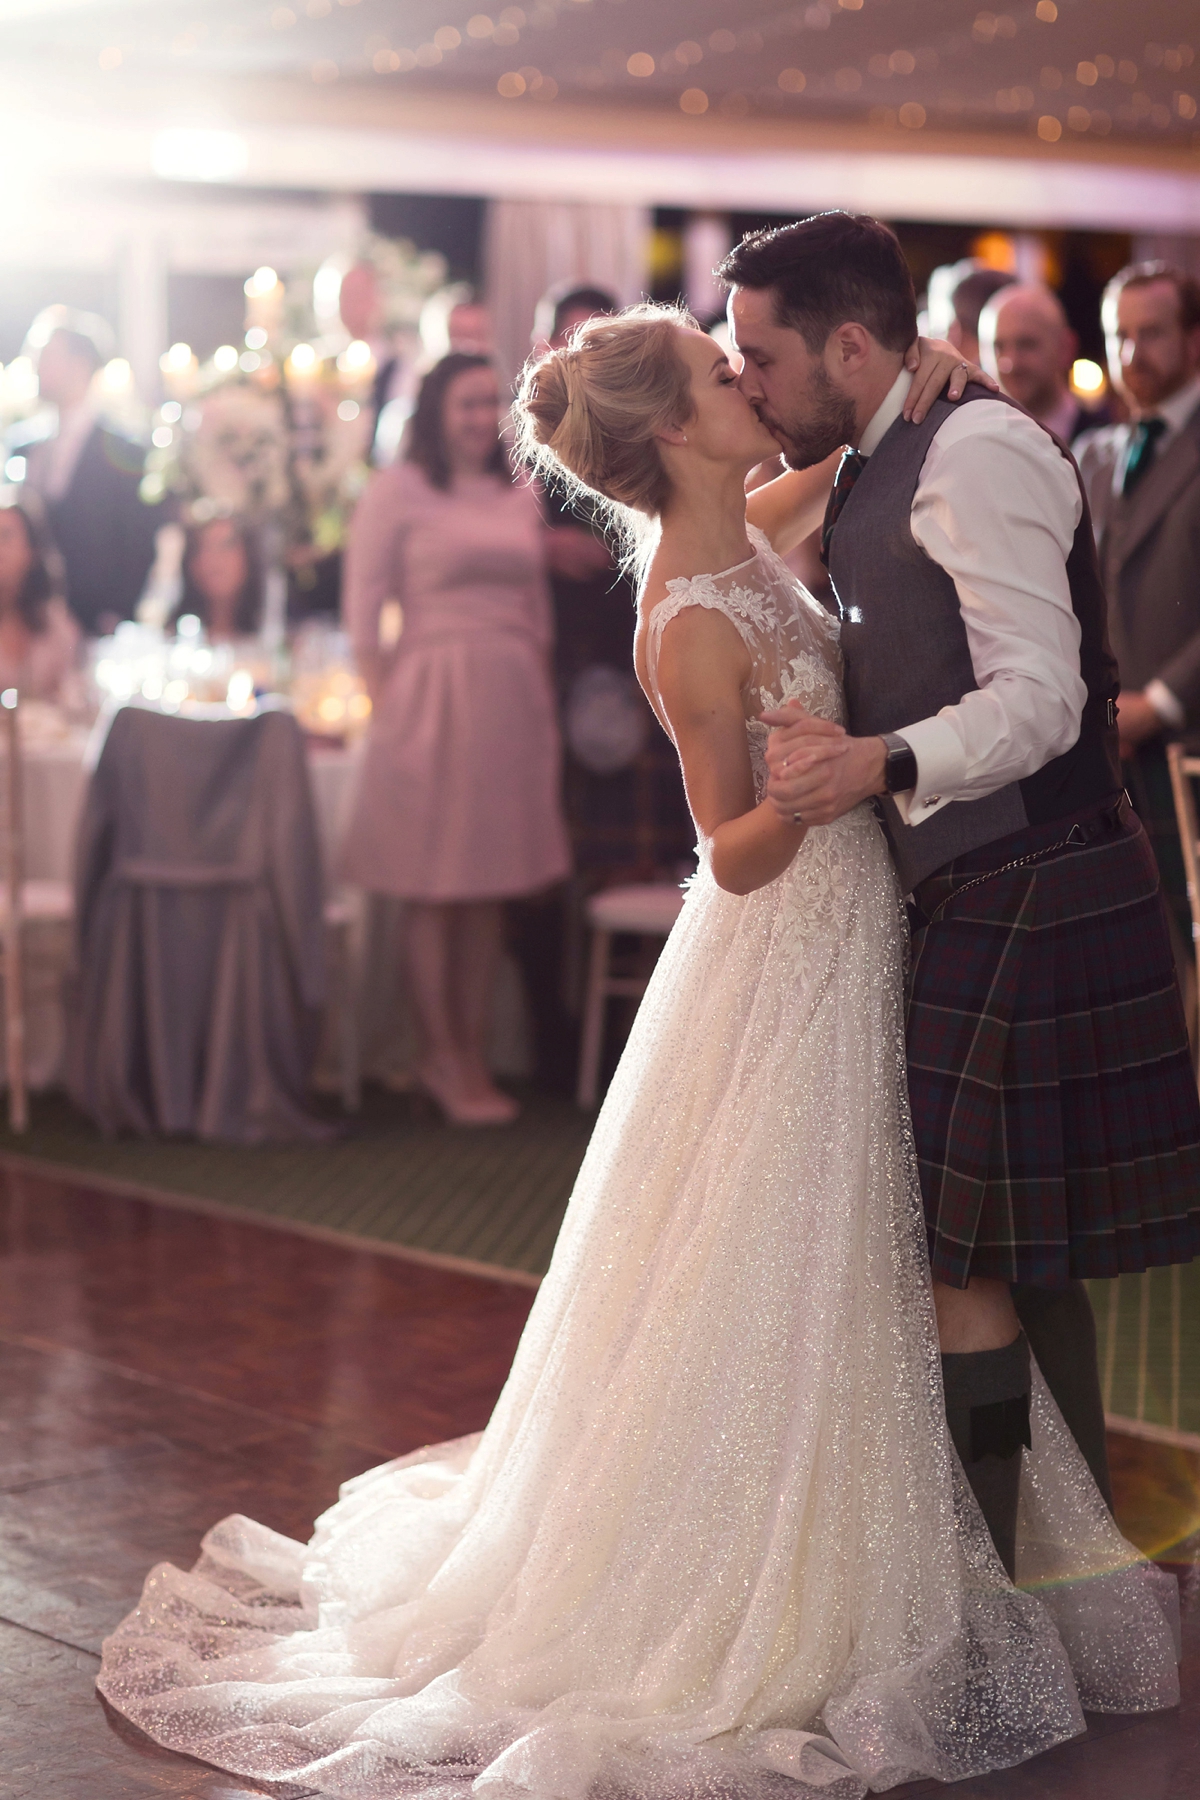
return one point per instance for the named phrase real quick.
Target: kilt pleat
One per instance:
(1054, 1106)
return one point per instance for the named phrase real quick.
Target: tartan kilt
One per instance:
(1054, 1106)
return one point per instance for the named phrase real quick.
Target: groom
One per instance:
(1056, 1118)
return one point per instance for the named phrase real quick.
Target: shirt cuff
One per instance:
(1165, 704)
(941, 769)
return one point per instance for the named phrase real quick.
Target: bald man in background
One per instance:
(1027, 344)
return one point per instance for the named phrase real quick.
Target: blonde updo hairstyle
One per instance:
(590, 412)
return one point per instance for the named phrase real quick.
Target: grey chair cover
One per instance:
(199, 976)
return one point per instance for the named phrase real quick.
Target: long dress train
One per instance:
(714, 1539)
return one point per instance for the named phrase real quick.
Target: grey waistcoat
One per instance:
(907, 656)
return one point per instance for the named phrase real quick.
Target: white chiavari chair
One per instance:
(24, 903)
(1185, 769)
(647, 910)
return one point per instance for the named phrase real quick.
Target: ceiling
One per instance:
(1041, 74)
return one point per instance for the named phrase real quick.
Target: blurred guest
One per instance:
(968, 299)
(222, 579)
(564, 307)
(87, 474)
(363, 312)
(622, 791)
(455, 322)
(39, 640)
(939, 294)
(599, 708)
(1143, 481)
(625, 807)
(458, 806)
(1027, 344)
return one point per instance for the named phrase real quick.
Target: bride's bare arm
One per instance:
(792, 506)
(703, 667)
(934, 364)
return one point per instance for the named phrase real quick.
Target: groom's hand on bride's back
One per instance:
(817, 770)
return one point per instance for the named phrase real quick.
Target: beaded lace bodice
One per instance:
(792, 640)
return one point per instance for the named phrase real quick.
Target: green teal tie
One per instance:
(1143, 442)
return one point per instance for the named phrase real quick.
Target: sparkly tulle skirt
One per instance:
(714, 1539)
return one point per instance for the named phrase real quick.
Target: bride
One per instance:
(714, 1539)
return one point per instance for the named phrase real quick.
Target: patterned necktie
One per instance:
(1143, 442)
(848, 471)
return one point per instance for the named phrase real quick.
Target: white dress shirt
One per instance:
(997, 506)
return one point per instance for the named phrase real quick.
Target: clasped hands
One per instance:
(816, 769)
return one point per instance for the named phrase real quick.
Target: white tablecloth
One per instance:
(55, 781)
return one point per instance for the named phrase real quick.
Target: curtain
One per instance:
(1183, 251)
(532, 244)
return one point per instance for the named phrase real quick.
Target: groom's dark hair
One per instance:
(827, 270)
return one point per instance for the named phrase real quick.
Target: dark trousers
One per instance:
(1148, 782)
(1061, 1329)
(536, 930)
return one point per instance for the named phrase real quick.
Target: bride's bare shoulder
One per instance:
(668, 564)
(677, 634)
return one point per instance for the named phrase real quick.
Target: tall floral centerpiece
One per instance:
(278, 429)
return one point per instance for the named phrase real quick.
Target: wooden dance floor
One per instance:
(160, 1368)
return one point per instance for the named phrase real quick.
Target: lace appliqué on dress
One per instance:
(792, 641)
(747, 608)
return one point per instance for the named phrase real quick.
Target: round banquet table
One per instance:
(54, 781)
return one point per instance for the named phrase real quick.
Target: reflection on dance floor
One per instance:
(160, 1369)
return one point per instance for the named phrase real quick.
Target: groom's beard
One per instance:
(827, 424)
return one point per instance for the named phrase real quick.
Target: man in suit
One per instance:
(87, 475)
(967, 300)
(1143, 481)
(1026, 342)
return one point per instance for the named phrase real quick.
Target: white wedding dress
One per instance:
(714, 1540)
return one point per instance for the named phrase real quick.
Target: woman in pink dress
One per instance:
(458, 808)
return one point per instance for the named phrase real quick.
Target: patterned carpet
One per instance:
(398, 1176)
(1149, 1332)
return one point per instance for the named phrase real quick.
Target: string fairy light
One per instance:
(981, 32)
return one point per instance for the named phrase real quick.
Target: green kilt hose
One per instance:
(1054, 1106)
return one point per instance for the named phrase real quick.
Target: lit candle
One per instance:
(180, 371)
(356, 366)
(303, 366)
(264, 300)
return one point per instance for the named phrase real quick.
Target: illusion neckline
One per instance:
(714, 574)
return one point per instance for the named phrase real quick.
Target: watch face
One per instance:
(900, 769)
